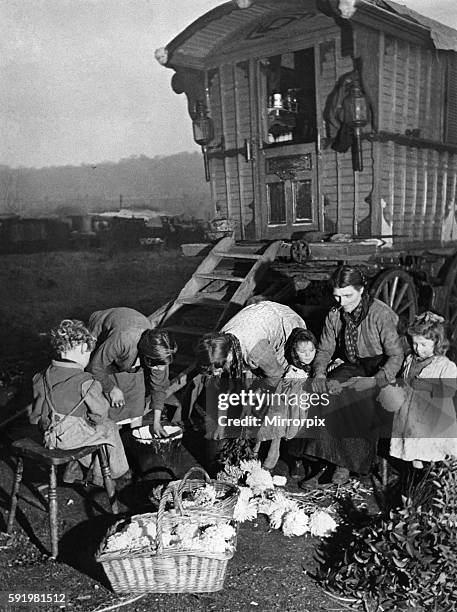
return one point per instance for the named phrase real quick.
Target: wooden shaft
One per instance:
(52, 501)
(14, 492)
(108, 481)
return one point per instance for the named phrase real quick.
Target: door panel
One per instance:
(290, 190)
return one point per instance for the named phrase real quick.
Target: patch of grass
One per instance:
(38, 290)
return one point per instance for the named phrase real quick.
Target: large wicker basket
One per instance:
(157, 570)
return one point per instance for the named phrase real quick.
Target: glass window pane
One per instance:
(276, 203)
(303, 196)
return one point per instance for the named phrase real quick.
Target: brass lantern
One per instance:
(357, 110)
(203, 129)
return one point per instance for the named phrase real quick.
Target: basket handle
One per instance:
(166, 496)
(178, 490)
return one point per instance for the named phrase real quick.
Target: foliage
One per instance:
(235, 450)
(403, 558)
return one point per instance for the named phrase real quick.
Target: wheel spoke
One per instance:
(393, 292)
(397, 290)
(408, 306)
(399, 297)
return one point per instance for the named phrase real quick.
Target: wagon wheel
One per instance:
(450, 300)
(396, 288)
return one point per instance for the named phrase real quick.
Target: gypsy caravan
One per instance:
(329, 134)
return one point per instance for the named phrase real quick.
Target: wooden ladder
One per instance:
(217, 290)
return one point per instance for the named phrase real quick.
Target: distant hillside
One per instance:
(173, 183)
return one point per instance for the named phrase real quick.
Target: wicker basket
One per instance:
(155, 570)
(223, 508)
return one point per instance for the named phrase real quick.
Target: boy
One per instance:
(69, 405)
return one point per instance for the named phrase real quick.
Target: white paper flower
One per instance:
(259, 480)
(295, 523)
(226, 531)
(217, 538)
(266, 505)
(230, 473)
(281, 505)
(151, 530)
(187, 529)
(276, 518)
(134, 530)
(167, 539)
(321, 524)
(203, 496)
(279, 481)
(161, 55)
(249, 465)
(246, 506)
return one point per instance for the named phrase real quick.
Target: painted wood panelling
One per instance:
(405, 83)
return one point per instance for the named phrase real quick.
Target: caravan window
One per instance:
(291, 98)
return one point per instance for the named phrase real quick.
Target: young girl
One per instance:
(300, 353)
(69, 405)
(425, 427)
(300, 350)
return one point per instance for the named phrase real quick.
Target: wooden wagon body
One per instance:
(320, 118)
(271, 78)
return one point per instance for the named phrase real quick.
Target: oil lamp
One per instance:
(357, 112)
(203, 129)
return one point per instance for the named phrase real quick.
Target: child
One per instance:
(300, 353)
(69, 405)
(425, 426)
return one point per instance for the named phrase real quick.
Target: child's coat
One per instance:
(425, 427)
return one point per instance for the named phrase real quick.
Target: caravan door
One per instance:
(288, 160)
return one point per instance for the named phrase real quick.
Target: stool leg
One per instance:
(14, 492)
(52, 500)
(109, 484)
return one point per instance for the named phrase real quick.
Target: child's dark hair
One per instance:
(297, 335)
(69, 334)
(431, 326)
(156, 347)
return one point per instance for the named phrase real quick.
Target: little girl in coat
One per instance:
(425, 426)
(69, 405)
(300, 351)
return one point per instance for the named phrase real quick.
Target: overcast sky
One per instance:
(79, 82)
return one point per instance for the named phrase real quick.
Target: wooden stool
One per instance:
(30, 449)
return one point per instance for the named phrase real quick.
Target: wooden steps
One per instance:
(193, 300)
(238, 255)
(221, 285)
(224, 276)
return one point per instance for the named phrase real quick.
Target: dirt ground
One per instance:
(268, 571)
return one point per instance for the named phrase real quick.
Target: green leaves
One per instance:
(405, 559)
